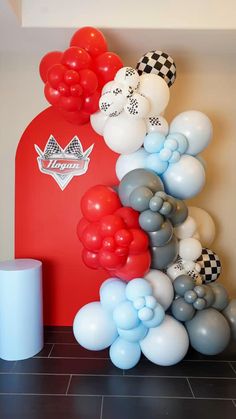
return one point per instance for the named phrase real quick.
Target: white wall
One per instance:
(206, 81)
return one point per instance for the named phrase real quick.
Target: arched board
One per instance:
(56, 162)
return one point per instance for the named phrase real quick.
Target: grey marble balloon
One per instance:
(139, 199)
(208, 331)
(180, 214)
(181, 310)
(136, 178)
(161, 236)
(163, 256)
(182, 284)
(230, 314)
(221, 296)
(150, 221)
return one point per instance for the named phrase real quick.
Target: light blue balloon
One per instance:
(124, 354)
(145, 314)
(125, 316)
(153, 162)
(138, 287)
(112, 293)
(159, 315)
(175, 157)
(154, 142)
(139, 303)
(134, 335)
(151, 301)
(181, 140)
(127, 162)
(184, 179)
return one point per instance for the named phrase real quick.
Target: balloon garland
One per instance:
(162, 293)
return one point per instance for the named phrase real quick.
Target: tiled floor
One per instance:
(65, 381)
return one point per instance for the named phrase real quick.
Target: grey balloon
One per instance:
(182, 284)
(209, 332)
(163, 256)
(139, 199)
(136, 178)
(162, 236)
(230, 314)
(181, 310)
(209, 296)
(200, 304)
(221, 296)
(150, 221)
(180, 214)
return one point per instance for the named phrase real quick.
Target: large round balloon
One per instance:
(221, 296)
(128, 162)
(166, 344)
(94, 328)
(99, 201)
(205, 227)
(162, 288)
(230, 314)
(160, 63)
(184, 179)
(209, 332)
(163, 256)
(98, 121)
(155, 89)
(210, 266)
(112, 293)
(196, 127)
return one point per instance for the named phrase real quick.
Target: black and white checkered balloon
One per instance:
(160, 63)
(210, 266)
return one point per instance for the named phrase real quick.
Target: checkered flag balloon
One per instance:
(210, 266)
(160, 63)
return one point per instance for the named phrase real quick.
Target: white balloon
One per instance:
(129, 76)
(108, 87)
(137, 106)
(98, 121)
(175, 270)
(190, 249)
(196, 127)
(186, 229)
(155, 89)
(157, 124)
(161, 286)
(127, 162)
(205, 225)
(122, 136)
(94, 328)
(166, 344)
(112, 104)
(184, 179)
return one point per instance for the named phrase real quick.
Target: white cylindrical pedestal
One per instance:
(21, 315)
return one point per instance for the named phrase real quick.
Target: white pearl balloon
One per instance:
(127, 162)
(137, 106)
(129, 76)
(157, 124)
(186, 229)
(166, 344)
(190, 249)
(162, 287)
(156, 90)
(122, 136)
(196, 127)
(205, 225)
(98, 121)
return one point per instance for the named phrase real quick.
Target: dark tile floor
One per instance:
(64, 381)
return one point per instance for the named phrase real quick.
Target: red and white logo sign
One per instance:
(61, 164)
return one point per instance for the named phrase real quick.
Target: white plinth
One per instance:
(21, 318)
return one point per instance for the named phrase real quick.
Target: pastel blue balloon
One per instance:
(127, 162)
(174, 157)
(134, 335)
(165, 154)
(138, 287)
(153, 162)
(139, 303)
(181, 141)
(112, 293)
(154, 142)
(145, 314)
(171, 143)
(159, 315)
(151, 301)
(184, 179)
(124, 354)
(125, 316)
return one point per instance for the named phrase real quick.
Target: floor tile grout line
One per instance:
(190, 387)
(68, 385)
(231, 365)
(101, 411)
(51, 350)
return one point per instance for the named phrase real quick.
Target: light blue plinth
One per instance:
(21, 315)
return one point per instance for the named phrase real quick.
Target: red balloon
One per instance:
(76, 58)
(91, 39)
(50, 59)
(76, 118)
(63, 89)
(110, 224)
(90, 259)
(109, 244)
(99, 201)
(136, 266)
(110, 260)
(130, 216)
(82, 224)
(139, 243)
(107, 65)
(76, 90)
(71, 77)
(91, 237)
(88, 81)
(123, 237)
(70, 103)
(52, 95)
(91, 103)
(55, 75)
